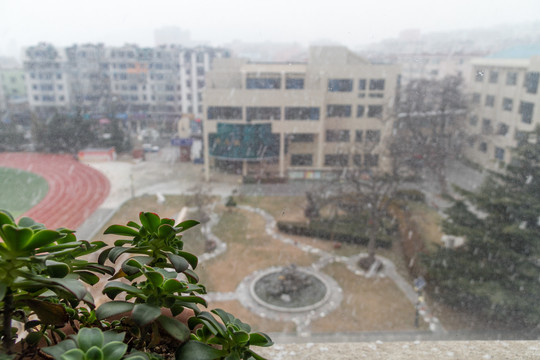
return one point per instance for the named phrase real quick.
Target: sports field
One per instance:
(20, 190)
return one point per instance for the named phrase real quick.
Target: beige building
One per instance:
(298, 120)
(505, 104)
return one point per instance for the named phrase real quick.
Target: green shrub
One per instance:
(345, 231)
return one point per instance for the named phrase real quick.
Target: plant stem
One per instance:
(8, 314)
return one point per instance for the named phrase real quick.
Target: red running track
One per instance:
(75, 190)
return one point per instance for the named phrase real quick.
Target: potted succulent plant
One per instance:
(42, 285)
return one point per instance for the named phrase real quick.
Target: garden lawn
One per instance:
(20, 190)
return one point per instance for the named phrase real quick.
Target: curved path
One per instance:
(75, 190)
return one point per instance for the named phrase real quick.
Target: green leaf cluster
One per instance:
(93, 344)
(153, 275)
(40, 274)
(229, 339)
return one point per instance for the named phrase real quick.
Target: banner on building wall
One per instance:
(244, 142)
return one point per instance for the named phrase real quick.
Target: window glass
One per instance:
(302, 113)
(338, 111)
(340, 85)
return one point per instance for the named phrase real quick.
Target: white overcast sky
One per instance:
(350, 22)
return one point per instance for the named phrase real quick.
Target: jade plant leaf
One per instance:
(89, 337)
(175, 328)
(195, 350)
(113, 308)
(144, 314)
(121, 230)
(187, 224)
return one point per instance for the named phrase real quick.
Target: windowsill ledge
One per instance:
(417, 350)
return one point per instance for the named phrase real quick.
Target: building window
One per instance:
(302, 138)
(359, 135)
(200, 71)
(526, 110)
(479, 77)
(483, 147)
(490, 100)
(375, 111)
(270, 82)
(340, 85)
(371, 160)
(360, 110)
(476, 98)
(294, 83)
(376, 95)
(357, 159)
(503, 129)
(302, 113)
(224, 113)
(511, 78)
(336, 160)
(362, 84)
(473, 120)
(486, 127)
(337, 136)
(376, 84)
(493, 77)
(263, 113)
(520, 135)
(373, 136)
(531, 82)
(301, 159)
(507, 104)
(338, 111)
(499, 153)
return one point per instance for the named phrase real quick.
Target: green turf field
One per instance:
(20, 190)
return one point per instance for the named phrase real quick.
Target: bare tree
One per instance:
(431, 115)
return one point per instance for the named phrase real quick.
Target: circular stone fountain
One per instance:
(290, 289)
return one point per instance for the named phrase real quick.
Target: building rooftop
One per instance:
(518, 52)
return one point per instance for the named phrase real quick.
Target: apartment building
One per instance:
(298, 120)
(158, 83)
(505, 105)
(46, 70)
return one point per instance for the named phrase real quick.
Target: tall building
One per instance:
(298, 120)
(47, 73)
(506, 104)
(157, 84)
(13, 99)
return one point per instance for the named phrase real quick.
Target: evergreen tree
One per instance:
(63, 134)
(497, 271)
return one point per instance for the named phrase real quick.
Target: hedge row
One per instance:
(340, 233)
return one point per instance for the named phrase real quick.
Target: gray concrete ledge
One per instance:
(417, 350)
